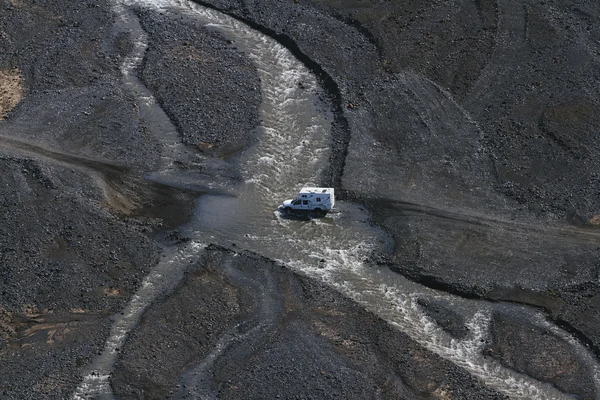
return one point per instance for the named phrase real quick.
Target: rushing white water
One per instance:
(170, 269)
(293, 151)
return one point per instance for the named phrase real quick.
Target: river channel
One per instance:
(293, 151)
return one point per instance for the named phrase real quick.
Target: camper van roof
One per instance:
(316, 190)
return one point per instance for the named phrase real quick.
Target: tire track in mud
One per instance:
(108, 176)
(85, 163)
(566, 233)
(300, 246)
(124, 193)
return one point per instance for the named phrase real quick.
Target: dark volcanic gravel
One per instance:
(468, 129)
(278, 334)
(67, 262)
(70, 58)
(472, 137)
(74, 153)
(540, 354)
(210, 91)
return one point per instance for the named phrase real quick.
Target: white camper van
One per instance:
(314, 199)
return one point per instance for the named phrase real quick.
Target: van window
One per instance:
(305, 202)
(318, 199)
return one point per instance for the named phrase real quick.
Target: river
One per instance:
(294, 151)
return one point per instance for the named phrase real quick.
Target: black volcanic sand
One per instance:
(279, 335)
(473, 138)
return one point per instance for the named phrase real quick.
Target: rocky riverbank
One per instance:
(466, 128)
(242, 327)
(472, 138)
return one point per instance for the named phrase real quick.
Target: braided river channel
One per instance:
(293, 150)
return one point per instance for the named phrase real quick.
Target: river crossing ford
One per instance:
(238, 285)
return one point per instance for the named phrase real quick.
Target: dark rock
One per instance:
(449, 320)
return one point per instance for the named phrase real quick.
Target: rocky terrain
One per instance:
(274, 326)
(466, 128)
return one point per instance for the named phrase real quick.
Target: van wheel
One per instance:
(287, 210)
(318, 211)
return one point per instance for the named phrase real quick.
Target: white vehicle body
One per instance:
(315, 199)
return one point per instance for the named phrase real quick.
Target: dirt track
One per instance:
(467, 129)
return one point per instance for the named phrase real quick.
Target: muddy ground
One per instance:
(468, 129)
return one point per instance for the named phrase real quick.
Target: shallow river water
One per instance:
(293, 151)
